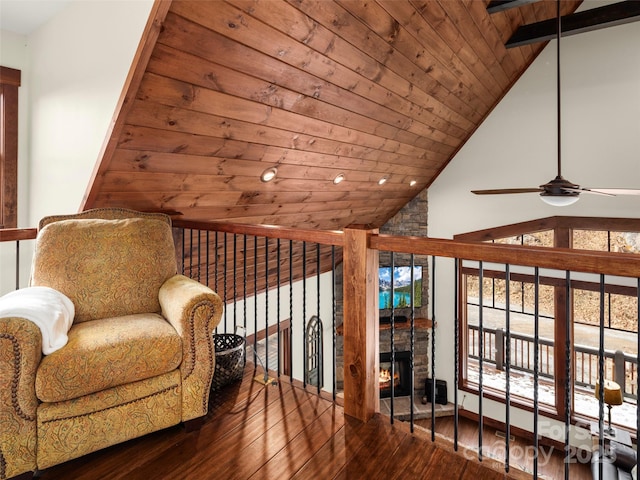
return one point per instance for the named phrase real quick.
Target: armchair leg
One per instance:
(194, 424)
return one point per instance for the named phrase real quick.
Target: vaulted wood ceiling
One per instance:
(222, 90)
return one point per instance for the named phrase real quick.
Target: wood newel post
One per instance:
(361, 355)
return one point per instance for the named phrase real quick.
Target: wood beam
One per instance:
(496, 6)
(361, 356)
(586, 21)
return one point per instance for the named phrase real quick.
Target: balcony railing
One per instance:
(276, 279)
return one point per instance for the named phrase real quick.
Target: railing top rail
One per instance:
(325, 237)
(588, 261)
(15, 234)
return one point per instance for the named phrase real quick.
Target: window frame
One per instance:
(10, 80)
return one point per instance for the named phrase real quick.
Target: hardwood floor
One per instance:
(277, 432)
(550, 460)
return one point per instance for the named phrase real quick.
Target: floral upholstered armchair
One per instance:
(139, 355)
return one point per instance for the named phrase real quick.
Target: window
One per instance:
(9, 83)
(542, 294)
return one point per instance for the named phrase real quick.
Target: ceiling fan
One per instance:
(559, 192)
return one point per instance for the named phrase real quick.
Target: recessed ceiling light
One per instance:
(339, 178)
(412, 183)
(269, 174)
(382, 181)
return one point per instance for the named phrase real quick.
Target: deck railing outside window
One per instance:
(585, 359)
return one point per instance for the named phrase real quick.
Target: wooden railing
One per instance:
(360, 252)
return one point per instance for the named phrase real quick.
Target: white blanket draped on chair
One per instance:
(49, 309)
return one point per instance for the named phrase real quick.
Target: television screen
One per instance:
(401, 287)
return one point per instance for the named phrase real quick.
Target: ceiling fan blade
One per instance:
(503, 191)
(613, 191)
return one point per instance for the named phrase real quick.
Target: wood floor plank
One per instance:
(442, 461)
(238, 408)
(278, 427)
(251, 437)
(383, 438)
(473, 471)
(337, 452)
(296, 453)
(412, 459)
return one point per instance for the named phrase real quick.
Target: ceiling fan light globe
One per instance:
(559, 200)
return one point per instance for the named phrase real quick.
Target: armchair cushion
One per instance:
(106, 353)
(108, 268)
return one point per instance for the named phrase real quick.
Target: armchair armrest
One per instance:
(194, 310)
(20, 355)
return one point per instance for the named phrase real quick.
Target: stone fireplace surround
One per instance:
(411, 220)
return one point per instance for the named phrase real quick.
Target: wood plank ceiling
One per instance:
(222, 90)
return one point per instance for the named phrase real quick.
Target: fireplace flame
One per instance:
(384, 380)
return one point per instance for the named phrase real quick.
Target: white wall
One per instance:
(516, 147)
(79, 62)
(73, 71)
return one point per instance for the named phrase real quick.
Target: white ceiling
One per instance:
(25, 16)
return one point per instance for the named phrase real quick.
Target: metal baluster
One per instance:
(304, 314)
(433, 346)
(191, 253)
(480, 356)
(291, 310)
(255, 303)
(235, 291)
(320, 333)
(568, 383)
(413, 341)
(507, 366)
(638, 375)
(215, 269)
(536, 346)
(266, 304)
(224, 283)
(278, 302)
(456, 348)
(183, 253)
(17, 264)
(333, 317)
(199, 253)
(601, 380)
(392, 334)
(207, 258)
(244, 286)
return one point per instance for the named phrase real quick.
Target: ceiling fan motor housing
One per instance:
(560, 187)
